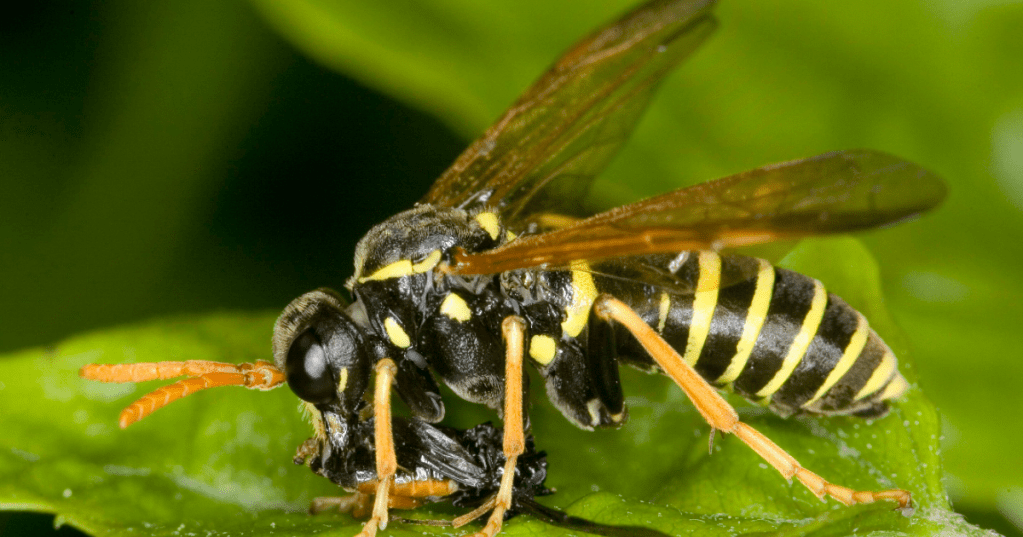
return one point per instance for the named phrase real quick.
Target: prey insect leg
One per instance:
(383, 437)
(355, 503)
(721, 416)
(407, 495)
(513, 330)
(203, 374)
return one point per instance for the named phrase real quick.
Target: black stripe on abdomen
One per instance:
(827, 348)
(791, 300)
(842, 395)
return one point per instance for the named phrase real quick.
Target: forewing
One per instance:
(544, 152)
(831, 193)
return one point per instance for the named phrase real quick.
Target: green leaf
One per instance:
(219, 462)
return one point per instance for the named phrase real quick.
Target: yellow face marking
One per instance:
(704, 301)
(849, 356)
(396, 333)
(797, 350)
(404, 267)
(509, 236)
(455, 307)
(542, 349)
(755, 318)
(489, 222)
(584, 292)
(662, 312)
(342, 381)
(895, 388)
(882, 373)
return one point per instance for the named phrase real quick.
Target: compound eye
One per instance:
(307, 369)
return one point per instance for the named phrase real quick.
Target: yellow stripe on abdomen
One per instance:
(882, 374)
(707, 284)
(797, 350)
(663, 309)
(895, 388)
(755, 318)
(857, 341)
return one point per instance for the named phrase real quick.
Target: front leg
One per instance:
(513, 330)
(383, 437)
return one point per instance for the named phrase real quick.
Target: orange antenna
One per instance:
(261, 375)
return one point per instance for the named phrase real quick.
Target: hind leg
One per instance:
(721, 416)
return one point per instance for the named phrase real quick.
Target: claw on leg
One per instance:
(500, 503)
(378, 517)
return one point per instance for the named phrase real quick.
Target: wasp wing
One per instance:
(546, 149)
(831, 193)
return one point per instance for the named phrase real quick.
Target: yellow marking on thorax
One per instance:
(797, 350)
(662, 312)
(393, 270)
(755, 318)
(455, 307)
(707, 284)
(396, 333)
(342, 381)
(584, 292)
(509, 236)
(849, 356)
(542, 349)
(882, 373)
(489, 222)
(404, 267)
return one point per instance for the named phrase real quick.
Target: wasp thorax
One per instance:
(417, 240)
(321, 350)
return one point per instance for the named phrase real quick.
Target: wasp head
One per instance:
(323, 353)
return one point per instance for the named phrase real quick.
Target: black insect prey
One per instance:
(468, 463)
(498, 266)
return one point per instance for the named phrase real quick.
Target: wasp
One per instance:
(500, 266)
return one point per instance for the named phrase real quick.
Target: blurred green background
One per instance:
(175, 158)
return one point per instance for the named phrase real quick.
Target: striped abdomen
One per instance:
(772, 335)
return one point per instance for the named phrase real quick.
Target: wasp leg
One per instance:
(204, 374)
(720, 415)
(383, 437)
(513, 329)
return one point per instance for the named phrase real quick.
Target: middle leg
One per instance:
(513, 330)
